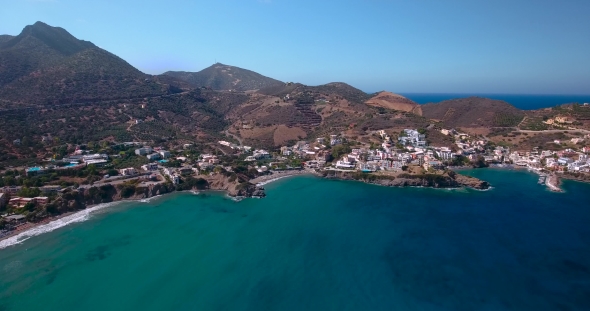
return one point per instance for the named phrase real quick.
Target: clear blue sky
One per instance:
(431, 46)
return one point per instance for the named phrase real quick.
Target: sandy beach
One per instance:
(30, 229)
(276, 175)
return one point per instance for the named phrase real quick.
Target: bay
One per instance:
(317, 244)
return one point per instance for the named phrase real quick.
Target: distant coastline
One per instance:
(521, 101)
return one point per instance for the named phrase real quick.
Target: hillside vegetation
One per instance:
(47, 65)
(223, 77)
(474, 112)
(56, 90)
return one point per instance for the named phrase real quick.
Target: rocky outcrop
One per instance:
(444, 180)
(77, 199)
(471, 182)
(250, 190)
(81, 198)
(234, 187)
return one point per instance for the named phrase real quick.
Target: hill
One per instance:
(339, 89)
(474, 112)
(47, 65)
(56, 90)
(392, 101)
(224, 77)
(4, 38)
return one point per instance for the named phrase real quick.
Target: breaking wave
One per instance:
(148, 200)
(262, 183)
(53, 225)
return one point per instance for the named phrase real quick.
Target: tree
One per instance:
(29, 207)
(113, 172)
(28, 192)
(339, 150)
(9, 181)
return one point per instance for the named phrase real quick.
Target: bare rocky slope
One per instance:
(393, 101)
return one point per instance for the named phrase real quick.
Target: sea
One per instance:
(521, 101)
(316, 244)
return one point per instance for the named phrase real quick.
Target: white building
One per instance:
(143, 151)
(153, 156)
(165, 154)
(261, 154)
(130, 171)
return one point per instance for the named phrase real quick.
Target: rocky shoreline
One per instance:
(448, 180)
(72, 201)
(79, 200)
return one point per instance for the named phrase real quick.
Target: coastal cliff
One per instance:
(72, 200)
(233, 187)
(447, 180)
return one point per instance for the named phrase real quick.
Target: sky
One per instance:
(418, 46)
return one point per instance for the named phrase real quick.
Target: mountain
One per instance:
(474, 112)
(55, 85)
(224, 77)
(394, 102)
(4, 38)
(47, 65)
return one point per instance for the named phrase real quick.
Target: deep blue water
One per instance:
(316, 244)
(521, 101)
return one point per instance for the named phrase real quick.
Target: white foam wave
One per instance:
(56, 224)
(262, 183)
(148, 200)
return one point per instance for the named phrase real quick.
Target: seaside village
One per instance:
(23, 190)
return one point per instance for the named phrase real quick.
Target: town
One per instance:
(26, 194)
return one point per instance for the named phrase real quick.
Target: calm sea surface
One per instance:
(316, 244)
(525, 102)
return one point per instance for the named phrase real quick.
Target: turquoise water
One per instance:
(316, 244)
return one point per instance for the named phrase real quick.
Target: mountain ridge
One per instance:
(225, 77)
(79, 92)
(48, 65)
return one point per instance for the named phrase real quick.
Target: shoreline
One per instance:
(552, 182)
(53, 221)
(277, 175)
(29, 230)
(51, 224)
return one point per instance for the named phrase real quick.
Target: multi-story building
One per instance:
(143, 151)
